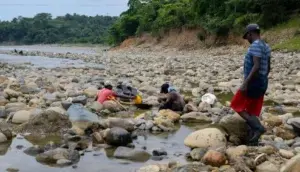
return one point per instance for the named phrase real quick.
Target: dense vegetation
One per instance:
(64, 29)
(216, 16)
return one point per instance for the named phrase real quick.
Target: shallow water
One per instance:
(46, 62)
(172, 142)
(51, 49)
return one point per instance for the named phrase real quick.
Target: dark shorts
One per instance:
(252, 106)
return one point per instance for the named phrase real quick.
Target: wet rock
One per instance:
(159, 152)
(131, 154)
(34, 150)
(118, 137)
(52, 156)
(286, 154)
(235, 152)
(214, 158)
(52, 120)
(66, 104)
(12, 170)
(21, 117)
(195, 117)
(63, 162)
(267, 150)
(267, 166)
(80, 99)
(284, 133)
(91, 92)
(198, 153)
(190, 107)
(235, 125)
(112, 106)
(206, 138)
(169, 114)
(204, 107)
(291, 165)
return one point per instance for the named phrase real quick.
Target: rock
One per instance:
(148, 90)
(204, 107)
(267, 150)
(12, 93)
(2, 138)
(127, 124)
(235, 152)
(14, 107)
(206, 138)
(214, 158)
(52, 120)
(159, 152)
(286, 154)
(97, 138)
(80, 99)
(164, 123)
(284, 133)
(111, 106)
(118, 137)
(292, 165)
(34, 150)
(30, 88)
(191, 168)
(190, 107)
(52, 156)
(63, 162)
(273, 121)
(169, 114)
(21, 117)
(2, 112)
(66, 104)
(91, 92)
(195, 117)
(267, 166)
(153, 168)
(3, 101)
(131, 154)
(6, 130)
(96, 107)
(235, 125)
(198, 153)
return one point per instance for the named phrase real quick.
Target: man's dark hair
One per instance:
(164, 88)
(108, 87)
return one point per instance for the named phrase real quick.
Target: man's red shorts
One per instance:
(241, 102)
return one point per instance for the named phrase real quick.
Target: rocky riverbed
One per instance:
(49, 120)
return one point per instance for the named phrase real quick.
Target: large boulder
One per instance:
(53, 120)
(91, 92)
(195, 117)
(3, 138)
(127, 124)
(58, 154)
(118, 137)
(235, 126)
(206, 138)
(80, 99)
(21, 117)
(131, 154)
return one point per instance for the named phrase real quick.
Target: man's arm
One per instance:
(269, 67)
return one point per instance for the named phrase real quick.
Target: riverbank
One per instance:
(42, 92)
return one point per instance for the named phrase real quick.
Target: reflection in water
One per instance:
(43, 140)
(4, 147)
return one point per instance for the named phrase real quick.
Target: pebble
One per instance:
(12, 170)
(278, 139)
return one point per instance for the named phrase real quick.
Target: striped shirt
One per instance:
(262, 50)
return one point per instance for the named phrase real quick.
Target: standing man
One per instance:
(248, 100)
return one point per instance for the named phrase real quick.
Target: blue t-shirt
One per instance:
(262, 50)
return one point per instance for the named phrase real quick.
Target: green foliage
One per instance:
(289, 45)
(215, 16)
(64, 29)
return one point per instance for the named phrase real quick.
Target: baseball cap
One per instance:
(250, 28)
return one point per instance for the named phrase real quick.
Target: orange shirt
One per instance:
(104, 94)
